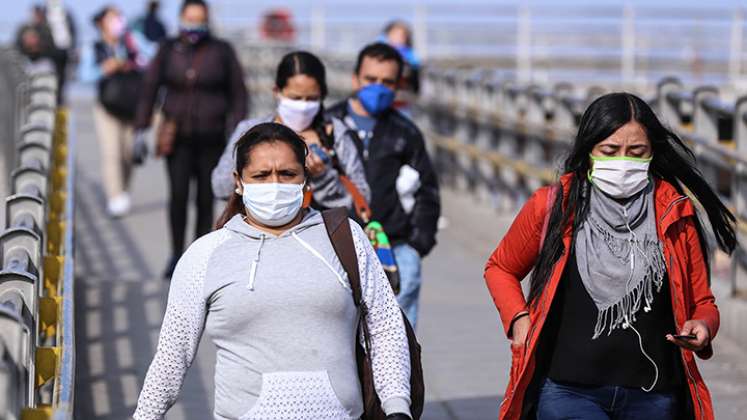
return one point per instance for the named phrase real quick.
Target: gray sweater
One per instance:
(328, 190)
(280, 313)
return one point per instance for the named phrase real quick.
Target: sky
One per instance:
(237, 11)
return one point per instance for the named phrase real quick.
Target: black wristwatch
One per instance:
(398, 416)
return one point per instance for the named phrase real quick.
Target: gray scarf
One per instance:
(619, 257)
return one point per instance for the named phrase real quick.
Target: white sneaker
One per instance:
(120, 205)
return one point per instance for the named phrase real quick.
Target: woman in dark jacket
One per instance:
(205, 98)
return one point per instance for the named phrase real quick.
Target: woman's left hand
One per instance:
(697, 328)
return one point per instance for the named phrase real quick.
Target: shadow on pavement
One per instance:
(119, 305)
(476, 408)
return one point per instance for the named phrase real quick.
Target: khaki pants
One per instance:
(115, 146)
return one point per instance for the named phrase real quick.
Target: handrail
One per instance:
(64, 401)
(36, 257)
(718, 108)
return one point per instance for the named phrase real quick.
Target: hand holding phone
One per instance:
(685, 336)
(317, 150)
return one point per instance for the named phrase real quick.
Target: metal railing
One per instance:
(622, 43)
(36, 256)
(12, 80)
(501, 140)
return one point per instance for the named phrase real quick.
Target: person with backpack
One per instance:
(115, 63)
(204, 98)
(619, 299)
(390, 144)
(295, 301)
(334, 164)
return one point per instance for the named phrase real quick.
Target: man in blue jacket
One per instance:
(388, 141)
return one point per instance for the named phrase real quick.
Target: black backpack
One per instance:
(338, 229)
(118, 93)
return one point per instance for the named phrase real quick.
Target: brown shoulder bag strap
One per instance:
(338, 229)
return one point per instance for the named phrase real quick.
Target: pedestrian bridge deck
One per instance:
(120, 300)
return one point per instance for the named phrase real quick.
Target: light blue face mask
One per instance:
(273, 204)
(376, 98)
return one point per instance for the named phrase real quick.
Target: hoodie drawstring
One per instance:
(319, 256)
(255, 264)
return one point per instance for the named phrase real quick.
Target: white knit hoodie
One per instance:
(280, 312)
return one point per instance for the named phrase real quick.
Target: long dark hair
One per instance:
(260, 134)
(306, 63)
(672, 161)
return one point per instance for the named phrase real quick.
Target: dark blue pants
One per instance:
(565, 401)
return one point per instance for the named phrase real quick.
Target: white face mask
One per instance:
(298, 114)
(620, 177)
(273, 204)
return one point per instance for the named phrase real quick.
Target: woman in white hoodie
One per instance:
(269, 290)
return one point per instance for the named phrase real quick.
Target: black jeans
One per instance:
(192, 158)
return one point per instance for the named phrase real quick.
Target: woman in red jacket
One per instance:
(619, 299)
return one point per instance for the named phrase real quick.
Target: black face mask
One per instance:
(193, 34)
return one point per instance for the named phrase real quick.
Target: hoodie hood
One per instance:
(311, 219)
(238, 225)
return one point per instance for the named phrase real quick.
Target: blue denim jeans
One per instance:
(566, 401)
(408, 264)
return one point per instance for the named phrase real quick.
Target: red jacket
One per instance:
(688, 275)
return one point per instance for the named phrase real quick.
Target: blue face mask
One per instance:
(408, 54)
(376, 98)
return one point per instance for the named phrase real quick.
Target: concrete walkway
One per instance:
(121, 299)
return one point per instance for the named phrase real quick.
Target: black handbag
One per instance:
(119, 93)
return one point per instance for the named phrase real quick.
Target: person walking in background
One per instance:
(151, 30)
(64, 34)
(619, 300)
(389, 142)
(205, 97)
(150, 24)
(48, 39)
(300, 90)
(114, 62)
(269, 289)
(34, 39)
(399, 35)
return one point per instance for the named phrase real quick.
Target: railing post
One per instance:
(628, 45)
(564, 116)
(739, 192)
(524, 45)
(420, 29)
(735, 47)
(318, 26)
(669, 111)
(705, 126)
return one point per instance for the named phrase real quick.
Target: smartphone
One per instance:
(320, 152)
(685, 336)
